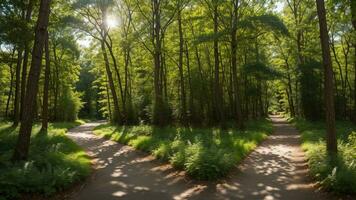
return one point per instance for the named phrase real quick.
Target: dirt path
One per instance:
(275, 170)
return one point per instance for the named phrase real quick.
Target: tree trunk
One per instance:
(25, 59)
(183, 103)
(11, 86)
(56, 81)
(235, 6)
(191, 96)
(328, 80)
(23, 142)
(158, 107)
(117, 115)
(46, 88)
(17, 88)
(218, 113)
(108, 99)
(111, 52)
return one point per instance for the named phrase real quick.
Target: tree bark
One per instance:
(183, 100)
(46, 88)
(235, 6)
(191, 96)
(17, 88)
(111, 52)
(23, 142)
(11, 86)
(108, 99)
(331, 141)
(158, 107)
(56, 81)
(25, 59)
(218, 107)
(116, 116)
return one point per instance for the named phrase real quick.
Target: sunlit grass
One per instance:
(55, 162)
(341, 178)
(204, 153)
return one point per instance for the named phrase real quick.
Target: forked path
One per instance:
(277, 169)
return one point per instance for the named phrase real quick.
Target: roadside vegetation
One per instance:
(204, 153)
(54, 163)
(337, 175)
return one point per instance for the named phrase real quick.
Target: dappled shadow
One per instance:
(275, 170)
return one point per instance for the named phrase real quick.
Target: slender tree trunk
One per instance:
(117, 114)
(108, 99)
(25, 58)
(111, 52)
(17, 88)
(56, 82)
(183, 102)
(46, 88)
(23, 142)
(218, 112)
(343, 86)
(158, 107)
(328, 80)
(191, 96)
(235, 6)
(11, 86)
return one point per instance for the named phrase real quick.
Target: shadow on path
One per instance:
(277, 169)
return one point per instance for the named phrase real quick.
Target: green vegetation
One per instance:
(205, 154)
(341, 178)
(54, 163)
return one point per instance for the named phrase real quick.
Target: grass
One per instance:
(339, 175)
(205, 154)
(55, 162)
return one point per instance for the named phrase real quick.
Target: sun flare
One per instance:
(111, 22)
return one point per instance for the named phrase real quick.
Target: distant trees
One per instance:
(188, 51)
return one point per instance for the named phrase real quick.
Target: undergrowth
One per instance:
(55, 162)
(205, 154)
(338, 174)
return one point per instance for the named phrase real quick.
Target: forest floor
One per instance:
(277, 169)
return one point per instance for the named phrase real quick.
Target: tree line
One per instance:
(187, 62)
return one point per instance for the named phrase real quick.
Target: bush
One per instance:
(205, 154)
(55, 162)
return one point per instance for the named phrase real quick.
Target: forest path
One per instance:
(277, 169)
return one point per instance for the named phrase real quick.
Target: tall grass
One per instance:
(55, 162)
(339, 175)
(204, 153)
